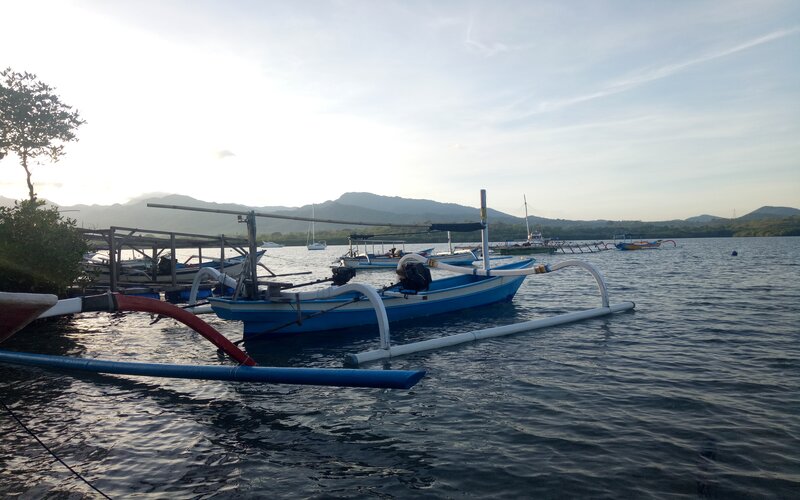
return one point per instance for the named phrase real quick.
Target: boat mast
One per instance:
(485, 230)
(527, 227)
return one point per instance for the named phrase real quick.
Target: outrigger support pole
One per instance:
(388, 351)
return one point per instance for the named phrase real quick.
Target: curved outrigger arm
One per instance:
(386, 350)
(536, 269)
(112, 302)
(367, 291)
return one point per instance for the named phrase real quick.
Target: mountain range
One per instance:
(361, 207)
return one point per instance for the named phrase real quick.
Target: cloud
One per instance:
(652, 74)
(219, 155)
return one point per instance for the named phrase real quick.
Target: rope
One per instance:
(34, 436)
(261, 335)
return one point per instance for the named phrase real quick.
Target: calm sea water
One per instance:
(694, 394)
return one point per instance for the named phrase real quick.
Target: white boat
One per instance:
(313, 244)
(143, 271)
(534, 244)
(270, 244)
(385, 254)
(374, 254)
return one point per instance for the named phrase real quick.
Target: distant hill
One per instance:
(770, 213)
(703, 219)
(358, 207)
(421, 210)
(372, 208)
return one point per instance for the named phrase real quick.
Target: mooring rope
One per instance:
(261, 335)
(34, 436)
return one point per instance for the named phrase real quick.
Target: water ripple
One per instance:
(693, 394)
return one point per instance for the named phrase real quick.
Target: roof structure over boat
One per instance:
(116, 236)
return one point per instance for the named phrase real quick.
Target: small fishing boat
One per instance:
(641, 244)
(416, 296)
(313, 244)
(366, 253)
(535, 242)
(142, 270)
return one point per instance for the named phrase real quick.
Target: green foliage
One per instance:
(40, 252)
(33, 120)
(722, 228)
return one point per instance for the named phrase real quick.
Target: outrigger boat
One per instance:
(641, 244)
(261, 310)
(275, 313)
(279, 310)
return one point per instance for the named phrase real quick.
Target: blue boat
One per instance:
(280, 314)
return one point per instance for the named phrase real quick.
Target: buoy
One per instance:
(734, 253)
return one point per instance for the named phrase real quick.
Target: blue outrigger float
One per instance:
(17, 310)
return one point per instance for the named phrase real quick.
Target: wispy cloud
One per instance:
(219, 155)
(488, 49)
(652, 74)
(480, 47)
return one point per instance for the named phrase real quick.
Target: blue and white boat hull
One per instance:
(285, 316)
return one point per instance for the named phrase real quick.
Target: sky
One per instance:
(630, 110)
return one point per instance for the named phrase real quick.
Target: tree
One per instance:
(33, 120)
(40, 252)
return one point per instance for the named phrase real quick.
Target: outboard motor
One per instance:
(341, 275)
(415, 276)
(165, 265)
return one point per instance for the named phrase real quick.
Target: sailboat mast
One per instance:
(527, 227)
